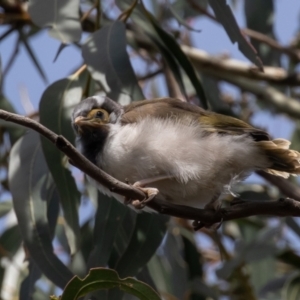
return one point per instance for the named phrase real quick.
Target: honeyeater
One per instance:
(176, 151)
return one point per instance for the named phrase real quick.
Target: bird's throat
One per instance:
(92, 143)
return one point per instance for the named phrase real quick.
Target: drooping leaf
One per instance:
(105, 54)
(147, 31)
(173, 250)
(108, 219)
(10, 241)
(291, 289)
(172, 46)
(180, 20)
(225, 16)
(13, 130)
(27, 288)
(61, 16)
(148, 233)
(100, 278)
(56, 107)
(260, 17)
(5, 207)
(32, 188)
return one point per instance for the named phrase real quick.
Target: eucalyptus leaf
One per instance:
(225, 16)
(291, 288)
(100, 278)
(148, 234)
(61, 16)
(172, 46)
(32, 188)
(108, 219)
(56, 107)
(5, 207)
(260, 17)
(107, 60)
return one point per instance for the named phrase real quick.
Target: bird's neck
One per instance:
(92, 144)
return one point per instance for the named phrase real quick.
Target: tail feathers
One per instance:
(284, 162)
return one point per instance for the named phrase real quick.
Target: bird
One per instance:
(176, 151)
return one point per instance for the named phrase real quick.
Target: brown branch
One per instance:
(226, 67)
(282, 207)
(293, 53)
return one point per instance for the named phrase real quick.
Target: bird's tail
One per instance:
(284, 161)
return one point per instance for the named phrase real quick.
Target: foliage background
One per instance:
(254, 258)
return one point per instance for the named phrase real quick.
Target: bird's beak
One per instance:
(84, 123)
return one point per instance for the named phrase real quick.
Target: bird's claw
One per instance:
(140, 204)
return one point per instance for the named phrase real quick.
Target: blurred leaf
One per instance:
(186, 9)
(257, 247)
(61, 16)
(14, 132)
(173, 249)
(152, 36)
(202, 291)
(180, 20)
(192, 258)
(56, 107)
(148, 233)
(172, 46)
(109, 217)
(101, 278)
(10, 242)
(291, 289)
(225, 16)
(123, 238)
(272, 288)
(290, 221)
(32, 187)
(5, 207)
(27, 288)
(212, 91)
(105, 54)
(289, 257)
(260, 17)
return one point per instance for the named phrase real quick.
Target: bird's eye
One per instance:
(99, 114)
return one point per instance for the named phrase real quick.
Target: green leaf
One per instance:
(109, 216)
(225, 16)
(291, 289)
(107, 60)
(56, 107)
(27, 288)
(148, 233)
(14, 131)
(5, 207)
(10, 241)
(32, 189)
(172, 46)
(260, 17)
(100, 278)
(61, 16)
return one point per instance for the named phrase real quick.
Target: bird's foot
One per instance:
(150, 194)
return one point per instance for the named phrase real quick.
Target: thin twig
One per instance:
(282, 207)
(293, 53)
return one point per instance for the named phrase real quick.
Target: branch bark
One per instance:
(282, 207)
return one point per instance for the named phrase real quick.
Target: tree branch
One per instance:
(282, 207)
(227, 67)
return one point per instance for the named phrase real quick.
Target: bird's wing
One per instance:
(164, 108)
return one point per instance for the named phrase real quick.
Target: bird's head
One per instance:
(94, 114)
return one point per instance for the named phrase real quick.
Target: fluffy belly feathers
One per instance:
(199, 165)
